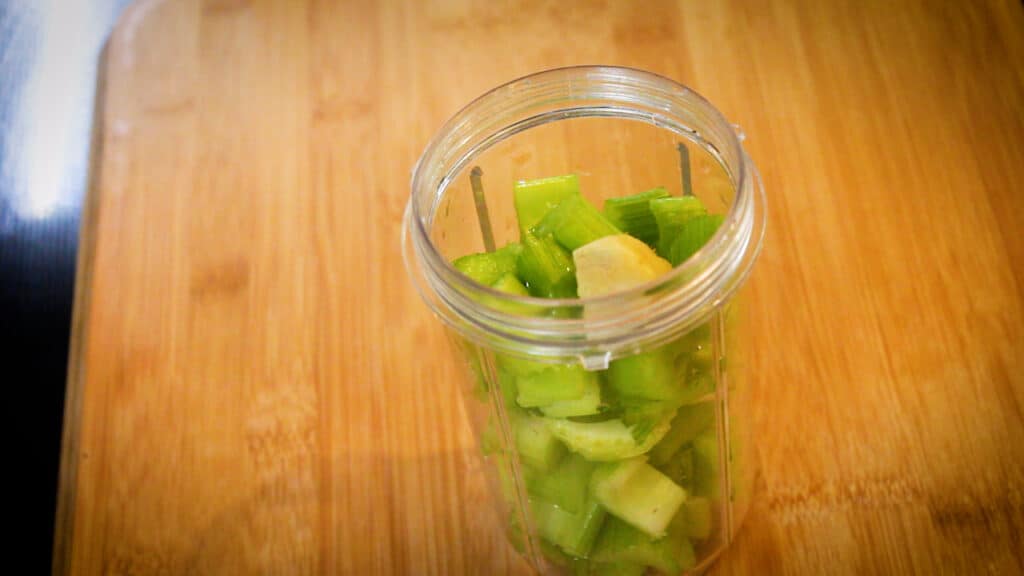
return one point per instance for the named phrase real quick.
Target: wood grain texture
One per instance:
(257, 389)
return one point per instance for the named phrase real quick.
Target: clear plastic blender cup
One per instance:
(599, 482)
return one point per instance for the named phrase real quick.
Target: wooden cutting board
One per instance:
(256, 388)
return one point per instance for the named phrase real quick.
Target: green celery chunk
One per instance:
(514, 531)
(616, 569)
(635, 492)
(518, 366)
(579, 566)
(537, 446)
(487, 267)
(671, 214)
(557, 383)
(534, 198)
(555, 555)
(647, 376)
(696, 516)
(507, 485)
(586, 405)
(697, 338)
(546, 384)
(680, 468)
(643, 416)
(507, 384)
(698, 384)
(632, 214)
(573, 533)
(687, 557)
(510, 284)
(688, 423)
(695, 233)
(515, 534)
(620, 542)
(645, 387)
(696, 347)
(705, 465)
(575, 222)
(546, 267)
(606, 440)
(695, 362)
(565, 486)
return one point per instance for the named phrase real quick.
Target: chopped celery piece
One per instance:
(510, 497)
(518, 366)
(615, 263)
(697, 339)
(607, 440)
(565, 485)
(555, 555)
(620, 542)
(534, 198)
(507, 383)
(546, 268)
(643, 416)
(687, 558)
(647, 376)
(537, 446)
(573, 533)
(587, 404)
(671, 214)
(688, 423)
(556, 383)
(696, 514)
(575, 222)
(510, 284)
(632, 214)
(514, 529)
(646, 388)
(695, 362)
(696, 347)
(705, 465)
(697, 385)
(616, 569)
(694, 234)
(679, 468)
(702, 358)
(579, 566)
(487, 267)
(545, 385)
(633, 491)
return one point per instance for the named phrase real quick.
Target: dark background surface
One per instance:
(49, 55)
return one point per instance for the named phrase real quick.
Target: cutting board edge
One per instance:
(64, 521)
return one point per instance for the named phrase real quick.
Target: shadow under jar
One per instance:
(616, 427)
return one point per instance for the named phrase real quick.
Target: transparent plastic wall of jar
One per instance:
(495, 331)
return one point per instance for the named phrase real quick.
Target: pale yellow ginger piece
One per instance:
(615, 263)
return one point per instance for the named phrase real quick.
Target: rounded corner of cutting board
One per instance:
(132, 16)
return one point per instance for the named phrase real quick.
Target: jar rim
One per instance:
(723, 261)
